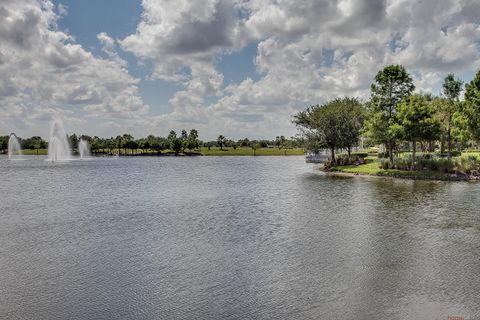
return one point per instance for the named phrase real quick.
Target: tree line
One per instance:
(127, 144)
(396, 117)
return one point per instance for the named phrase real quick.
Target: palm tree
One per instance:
(255, 146)
(221, 141)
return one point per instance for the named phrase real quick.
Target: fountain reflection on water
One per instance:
(14, 148)
(58, 145)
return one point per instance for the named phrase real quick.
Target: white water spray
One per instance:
(58, 146)
(83, 149)
(14, 149)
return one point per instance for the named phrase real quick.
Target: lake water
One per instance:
(232, 238)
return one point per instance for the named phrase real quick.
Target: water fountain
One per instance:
(14, 149)
(58, 145)
(83, 149)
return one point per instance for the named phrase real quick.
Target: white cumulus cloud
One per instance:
(307, 51)
(43, 73)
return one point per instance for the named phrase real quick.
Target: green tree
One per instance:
(244, 142)
(277, 142)
(157, 143)
(133, 146)
(392, 85)
(3, 143)
(209, 145)
(192, 140)
(110, 144)
(460, 130)
(471, 106)
(73, 139)
(447, 108)
(34, 143)
(280, 142)
(353, 114)
(312, 143)
(95, 144)
(254, 147)
(417, 120)
(336, 124)
(221, 141)
(118, 143)
(143, 145)
(126, 142)
(184, 139)
(175, 143)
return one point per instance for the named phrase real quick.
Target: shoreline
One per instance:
(405, 176)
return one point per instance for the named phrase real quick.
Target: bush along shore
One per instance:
(425, 166)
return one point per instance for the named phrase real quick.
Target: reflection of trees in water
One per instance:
(359, 242)
(408, 193)
(406, 255)
(429, 204)
(385, 245)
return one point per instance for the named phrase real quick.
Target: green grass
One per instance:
(32, 152)
(214, 151)
(470, 153)
(372, 168)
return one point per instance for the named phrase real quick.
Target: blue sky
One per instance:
(232, 67)
(119, 18)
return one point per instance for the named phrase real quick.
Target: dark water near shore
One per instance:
(232, 238)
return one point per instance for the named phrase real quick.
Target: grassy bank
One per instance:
(32, 152)
(372, 168)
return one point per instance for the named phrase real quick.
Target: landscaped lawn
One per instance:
(372, 168)
(35, 152)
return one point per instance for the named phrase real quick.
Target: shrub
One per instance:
(360, 155)
(445, 165)
(402, 163)
(453, 153)
(384, 164)
(468, 164)
(424, 163)
(327, 165)
(342, 159)
(421, 163)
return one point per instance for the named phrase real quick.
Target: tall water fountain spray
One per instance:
(14, 149)
(83, 149)
(58, 146)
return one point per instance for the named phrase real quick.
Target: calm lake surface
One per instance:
(232, 238)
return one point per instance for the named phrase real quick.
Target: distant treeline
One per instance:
(126, 143)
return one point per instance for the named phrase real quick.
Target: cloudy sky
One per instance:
(234, 67)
